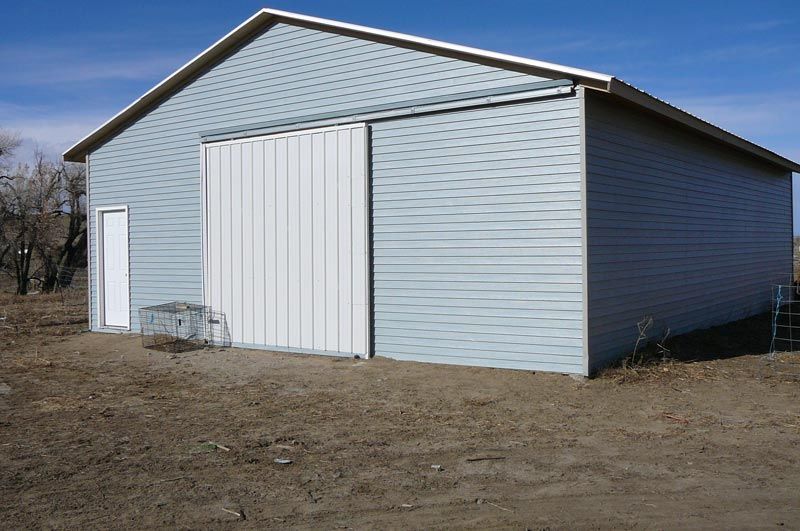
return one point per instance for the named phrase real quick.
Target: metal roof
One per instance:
(264, 17)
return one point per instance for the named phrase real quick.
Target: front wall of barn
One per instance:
(476, 214)
(681, 229)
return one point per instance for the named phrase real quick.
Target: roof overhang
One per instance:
(266, 17)
(661, 107)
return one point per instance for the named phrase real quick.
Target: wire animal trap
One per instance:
(785, 318)
(181, 326)
(217, 332)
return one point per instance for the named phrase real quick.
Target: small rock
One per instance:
(5, 389)
(438, 468)
(281, 461)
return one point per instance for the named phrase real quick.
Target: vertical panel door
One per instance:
(286, 239)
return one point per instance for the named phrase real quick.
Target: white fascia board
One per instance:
(466, 50)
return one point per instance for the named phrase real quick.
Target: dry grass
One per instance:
(96, 431)
(691, 356)
(42, 315)
(784, 366)
(39, 317)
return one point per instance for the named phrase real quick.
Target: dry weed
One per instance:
(41, 314)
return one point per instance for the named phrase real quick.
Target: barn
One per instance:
(337, 189)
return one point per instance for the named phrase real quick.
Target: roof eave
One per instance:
(651, 103)
(262, 18)
(77, 153)
(436, 46)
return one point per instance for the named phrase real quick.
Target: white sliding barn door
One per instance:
(285, 239)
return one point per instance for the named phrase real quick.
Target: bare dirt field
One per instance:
(97, 432)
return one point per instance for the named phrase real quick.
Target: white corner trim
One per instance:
(204, 222)
(89, 277)
(581, 93)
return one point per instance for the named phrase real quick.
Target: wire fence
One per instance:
(73, 285)
(785, 318)
(65, 280)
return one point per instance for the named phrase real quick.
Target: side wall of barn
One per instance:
(681, 229)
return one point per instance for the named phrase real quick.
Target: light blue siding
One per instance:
(680, 228)
(287, 72)
(477, 220)
(477, 237)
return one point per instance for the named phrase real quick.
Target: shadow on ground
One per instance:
(698, 355)
(739, 338)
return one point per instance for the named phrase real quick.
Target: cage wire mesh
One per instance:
(181, 326)
(785, 318)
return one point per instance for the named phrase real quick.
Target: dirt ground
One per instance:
(97, 432)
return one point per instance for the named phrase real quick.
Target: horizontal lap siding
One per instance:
(680, 228)
(477, 237)
(287, 72)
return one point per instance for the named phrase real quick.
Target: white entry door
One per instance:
(114, 267)
(285, 240)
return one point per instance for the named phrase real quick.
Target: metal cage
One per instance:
(182, 326)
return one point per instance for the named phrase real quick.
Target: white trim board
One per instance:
(89, 278)
(389, 113)
(581, 92)
(283, 134)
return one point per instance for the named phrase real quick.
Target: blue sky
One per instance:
(65, 67)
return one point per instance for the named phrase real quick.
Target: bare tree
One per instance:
(43, 226)
(30, 205)
(9, 142)
(60, 259)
